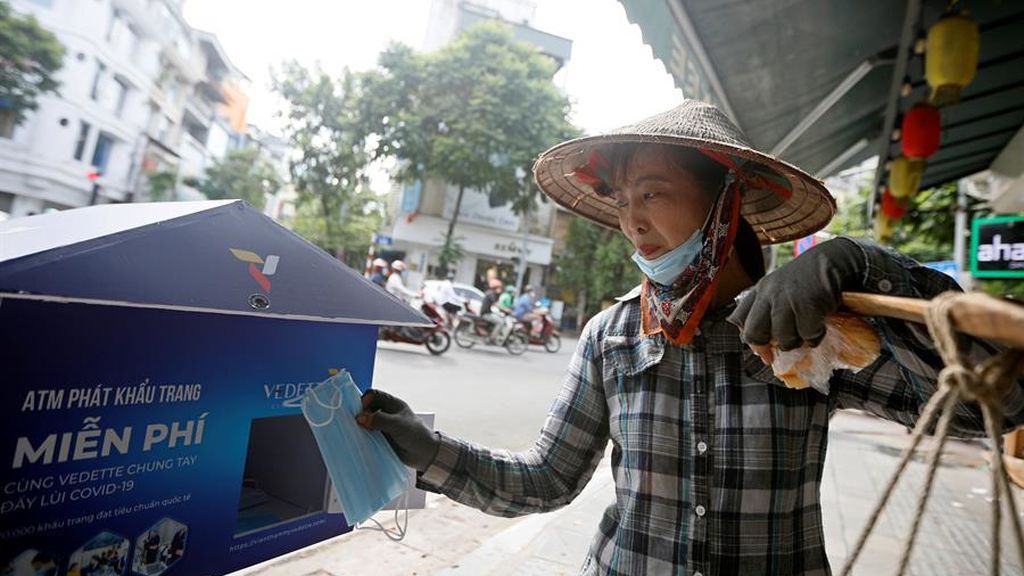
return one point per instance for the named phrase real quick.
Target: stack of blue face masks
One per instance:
(365, 470)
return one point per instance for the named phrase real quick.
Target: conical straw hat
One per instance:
(780, 201)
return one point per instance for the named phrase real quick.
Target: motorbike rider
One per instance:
(379, 272)
(490, 307)
(396, 285)
(508, 297)
(523, 310)
(443, 295)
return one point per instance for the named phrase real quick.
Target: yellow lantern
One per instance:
(905, 177)
(952, 57)
(883, 227)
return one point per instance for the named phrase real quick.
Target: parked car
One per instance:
(472, 296)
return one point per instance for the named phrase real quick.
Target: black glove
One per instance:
(414, 443)
(789, 306)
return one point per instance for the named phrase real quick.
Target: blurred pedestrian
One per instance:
(396, 283)
(379, 272)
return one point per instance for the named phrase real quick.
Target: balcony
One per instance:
(198, 111)
(193, 157)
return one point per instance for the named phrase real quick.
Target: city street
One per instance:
(483, 394)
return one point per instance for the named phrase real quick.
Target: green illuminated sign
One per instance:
(997, 247)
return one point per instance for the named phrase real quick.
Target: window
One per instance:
(6, 202)
(122, 95)
(83, 136)
(7, 117)
(94, 93)
(101, 155)
(170, 87)
(151, 112)
(163, 128)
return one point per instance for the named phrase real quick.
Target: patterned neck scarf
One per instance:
(676, 310)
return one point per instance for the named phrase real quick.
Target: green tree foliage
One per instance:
(241, 174)
(476, 113)
(365, 217)
(323, 119)
(161, 185)
(596, 265)
(926, 232)
(29, 57)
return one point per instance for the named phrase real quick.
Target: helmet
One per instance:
(380, 263)
(398, 265)
(450, 275)
(494, 283)
(510, 288)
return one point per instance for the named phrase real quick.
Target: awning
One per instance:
(819, 82)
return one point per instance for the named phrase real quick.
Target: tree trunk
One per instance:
(328, 229)
(526, 241)
(451, 228)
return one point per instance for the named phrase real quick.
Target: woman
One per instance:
(717, 465)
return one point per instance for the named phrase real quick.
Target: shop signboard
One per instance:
(155, 357)
(997, 247)
(476, 209)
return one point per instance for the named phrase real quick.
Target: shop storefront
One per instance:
(422, 237)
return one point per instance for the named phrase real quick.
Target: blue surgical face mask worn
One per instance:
(366, 473)
(666, 268)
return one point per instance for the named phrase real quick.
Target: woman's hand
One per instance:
(788, 306)
(414, 443)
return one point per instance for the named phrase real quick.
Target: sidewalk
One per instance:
(447, 539)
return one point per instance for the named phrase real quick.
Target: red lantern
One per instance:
(892, 207)
(922, 131)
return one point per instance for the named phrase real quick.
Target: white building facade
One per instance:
(135, 85)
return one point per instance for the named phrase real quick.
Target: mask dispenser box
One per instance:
(155, 357)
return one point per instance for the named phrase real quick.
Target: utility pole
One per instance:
(526, 247)
(960, 234)
(521, 176)
(94, 177)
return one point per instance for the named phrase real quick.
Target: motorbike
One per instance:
(436, 338)
(543, 332)
(471, 330)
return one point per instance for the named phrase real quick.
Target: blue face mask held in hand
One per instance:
(365, 470)
(666, 268)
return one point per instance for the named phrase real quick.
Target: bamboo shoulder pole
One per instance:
(979, 315)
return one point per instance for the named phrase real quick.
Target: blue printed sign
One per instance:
(170, 438)
(411, 197)
(154, 360)
(947, 267)
(804, 244)
(383, 240)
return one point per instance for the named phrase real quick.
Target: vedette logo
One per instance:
(290, 394)
(266, 267)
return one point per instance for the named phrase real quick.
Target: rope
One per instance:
(985, 384)
(933, 466)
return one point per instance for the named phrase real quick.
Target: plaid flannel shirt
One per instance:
(717, 465)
